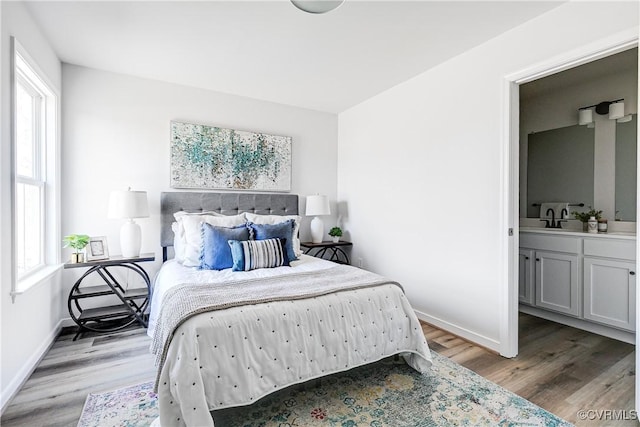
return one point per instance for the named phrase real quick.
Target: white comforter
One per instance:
(235, 356)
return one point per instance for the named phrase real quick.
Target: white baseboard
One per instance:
(616, 334)
(67, 322)
(474, 337)
(9, 392)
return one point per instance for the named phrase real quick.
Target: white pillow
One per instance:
(277, 219)
(178, 242)
(178, 229)
(192, 225)
(180, 214)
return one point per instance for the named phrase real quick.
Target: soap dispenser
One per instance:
(592, 225)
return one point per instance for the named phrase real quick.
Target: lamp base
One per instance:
(317, 230)
(130, 239)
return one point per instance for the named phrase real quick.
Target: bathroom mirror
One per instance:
(626, 169)
(560, 167)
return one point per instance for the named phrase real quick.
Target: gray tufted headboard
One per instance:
(224, 203)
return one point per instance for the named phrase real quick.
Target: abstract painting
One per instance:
(217, 158)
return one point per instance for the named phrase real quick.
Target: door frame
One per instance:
(509, 180)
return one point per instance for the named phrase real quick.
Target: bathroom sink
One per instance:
(576, 232)
(549, 229)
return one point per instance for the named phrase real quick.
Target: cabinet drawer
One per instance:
(546, 242)
(609, 248)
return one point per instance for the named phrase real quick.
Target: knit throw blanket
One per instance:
(184, 301)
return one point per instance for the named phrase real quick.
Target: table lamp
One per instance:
(128, 205)
(317, 205)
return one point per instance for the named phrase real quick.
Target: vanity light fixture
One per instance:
(615, 110)
(317, 6)
(585, 116)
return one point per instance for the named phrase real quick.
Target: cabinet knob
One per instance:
(633, 273)
(526, 257)
(537, 259)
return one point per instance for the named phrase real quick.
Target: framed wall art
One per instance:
(209, 157)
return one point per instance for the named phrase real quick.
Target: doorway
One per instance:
(512, 179)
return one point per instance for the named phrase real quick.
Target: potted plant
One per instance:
(77, 242)
(336, 233)
(584, 216)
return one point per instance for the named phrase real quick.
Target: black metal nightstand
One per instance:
(130, 303)
(336, 250)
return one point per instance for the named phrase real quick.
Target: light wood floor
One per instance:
(54, 395)
(562, 369)
(559, 368)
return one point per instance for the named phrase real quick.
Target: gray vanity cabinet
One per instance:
(610, 292)
(557, 282)
(555, 271)
(526, 274)
(585, 281)
(610, 283)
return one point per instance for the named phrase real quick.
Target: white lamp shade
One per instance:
(585, 116)
(317, 205)
(128, 204)
(616, 110)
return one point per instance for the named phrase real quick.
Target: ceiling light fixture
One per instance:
(317, 6)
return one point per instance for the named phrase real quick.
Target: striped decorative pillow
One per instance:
(252, 254)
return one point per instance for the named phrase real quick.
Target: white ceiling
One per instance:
(270, 50)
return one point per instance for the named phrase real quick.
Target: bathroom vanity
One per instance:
(580, 279)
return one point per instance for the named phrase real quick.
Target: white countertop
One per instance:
(563, 232)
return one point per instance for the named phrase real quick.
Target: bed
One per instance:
(227, 338)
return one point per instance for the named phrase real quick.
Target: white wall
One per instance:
(31, 323)
(559, 109)
(420, 169)
(116, 134)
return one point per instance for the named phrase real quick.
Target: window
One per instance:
(30, 178)
(36, 212)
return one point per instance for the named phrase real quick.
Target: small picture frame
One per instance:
(97, 248)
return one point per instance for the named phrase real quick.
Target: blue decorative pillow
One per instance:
(216, 253)
(282, 230)
(252, 254)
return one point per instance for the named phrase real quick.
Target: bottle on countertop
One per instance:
(592, 225)
(602, 225)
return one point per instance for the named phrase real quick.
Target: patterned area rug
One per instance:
(386, 393)
(134, 406)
